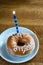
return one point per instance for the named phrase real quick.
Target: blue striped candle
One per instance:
(16, 22)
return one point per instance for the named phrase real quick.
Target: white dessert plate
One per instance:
(15, 59)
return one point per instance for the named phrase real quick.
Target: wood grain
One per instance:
(28, 11)
(30, 15)
(39, 32)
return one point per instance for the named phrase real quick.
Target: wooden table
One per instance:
(30, 15)
(38, 59)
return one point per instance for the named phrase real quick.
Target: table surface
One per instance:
(30, 15)
(39, 57)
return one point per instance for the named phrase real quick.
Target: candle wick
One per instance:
(14, 12)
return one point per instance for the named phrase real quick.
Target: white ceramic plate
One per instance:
(14, 59)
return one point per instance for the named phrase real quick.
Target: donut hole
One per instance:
(20, 43)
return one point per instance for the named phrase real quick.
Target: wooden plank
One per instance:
(39, 32)
(30, 15)
(25, 14)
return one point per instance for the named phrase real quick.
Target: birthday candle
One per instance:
(16, 22)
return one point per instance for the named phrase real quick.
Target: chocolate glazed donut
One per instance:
(20, 44)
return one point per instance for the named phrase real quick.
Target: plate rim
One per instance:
(27, 59)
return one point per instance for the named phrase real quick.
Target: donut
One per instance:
(20, 44)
